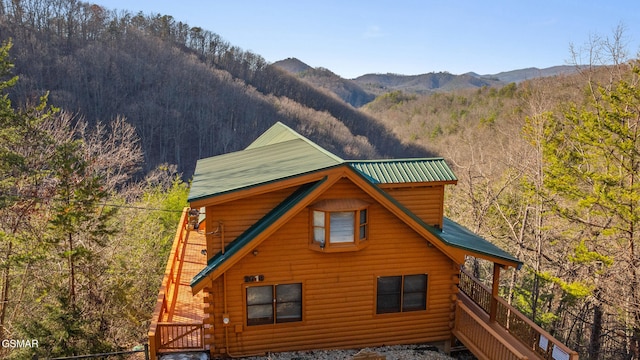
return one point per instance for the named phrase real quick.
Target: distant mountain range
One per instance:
(365, 88)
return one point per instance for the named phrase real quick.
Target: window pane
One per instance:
(387, 304)
(318, 234)
(414, 301)
(363, 231)
(415, 293)
(363, 216)
(413, 283)
(318, 218)
(388, 296)
(341, 225)
(389, 284)
(259, 314)
(288, 293)
(288, 312)
(257, 295)
(259, 305)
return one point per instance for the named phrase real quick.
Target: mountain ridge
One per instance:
(362, 89)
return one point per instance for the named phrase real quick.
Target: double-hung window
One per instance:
(401, 293)
(271, 304)
(339, 224)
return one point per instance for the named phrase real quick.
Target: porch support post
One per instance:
(494, 292)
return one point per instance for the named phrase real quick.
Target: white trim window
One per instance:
(339, 222)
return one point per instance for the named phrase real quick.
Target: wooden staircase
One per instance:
(511, 336)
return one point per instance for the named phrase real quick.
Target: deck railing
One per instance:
(180, 336)
(518, 325)
(478, 292)
(161, 335)
(480, 338)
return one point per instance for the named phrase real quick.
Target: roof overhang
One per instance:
(264, 228)
(454, 240)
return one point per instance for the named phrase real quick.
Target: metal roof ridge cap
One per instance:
(298, 136)
(318, 147)
(323, 150)
(263, 147)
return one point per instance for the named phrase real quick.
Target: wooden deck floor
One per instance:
(188, 308)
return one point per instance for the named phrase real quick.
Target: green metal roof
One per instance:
(256, 229)
(247, 168)
(281, 153)
(452, 233)
(457, 235)
(404, 170)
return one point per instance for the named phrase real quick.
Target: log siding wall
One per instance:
(427, 202)
(339, 289)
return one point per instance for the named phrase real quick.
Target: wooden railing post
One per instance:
(494, 292)
(509, 318)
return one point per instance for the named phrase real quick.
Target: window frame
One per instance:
(277, 316)
(322, 229)
(401, 300)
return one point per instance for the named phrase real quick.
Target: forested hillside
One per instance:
(188, 93)
(549, 169)
(106, 104)
(102, 115)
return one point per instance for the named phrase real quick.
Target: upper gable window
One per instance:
(339, 225)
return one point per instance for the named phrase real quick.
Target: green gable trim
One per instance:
(452, 233)
(256, 229)
(399, 171)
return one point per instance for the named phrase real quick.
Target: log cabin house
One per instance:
(298, 249)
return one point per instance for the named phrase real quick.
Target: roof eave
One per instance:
(421, 227)
(416, 184)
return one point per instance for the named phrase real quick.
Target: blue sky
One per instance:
(353, 38)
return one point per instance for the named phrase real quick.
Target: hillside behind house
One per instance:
(182, 93)
(188, 92)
